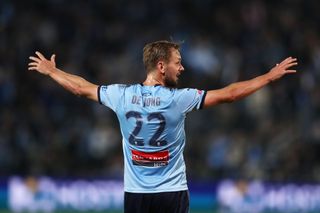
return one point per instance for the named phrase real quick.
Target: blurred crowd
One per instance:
(273, 135)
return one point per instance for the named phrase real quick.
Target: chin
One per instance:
(171, 84)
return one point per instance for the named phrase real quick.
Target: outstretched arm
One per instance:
(242, 89)
(73, 83)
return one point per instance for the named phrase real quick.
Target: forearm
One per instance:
(72, 83)
(236, 91)
(245, 88)
(242, 89)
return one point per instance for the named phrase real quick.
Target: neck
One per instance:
(152, 80)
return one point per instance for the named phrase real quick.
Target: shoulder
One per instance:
(117, 86)
(188, 91)
(123, 86)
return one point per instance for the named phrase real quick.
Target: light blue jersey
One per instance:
(152, 126)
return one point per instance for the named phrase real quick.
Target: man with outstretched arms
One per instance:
(151, 117)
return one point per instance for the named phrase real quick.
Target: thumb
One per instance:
(53, 58)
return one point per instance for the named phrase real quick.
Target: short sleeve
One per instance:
(189, 99)
(109, 95)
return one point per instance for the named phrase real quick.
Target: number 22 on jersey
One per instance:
(154, 140)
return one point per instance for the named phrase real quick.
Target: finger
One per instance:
(290, 65)
(40, 55)
(33, 64)
(291, 71)
(286, 60)
(293, 60)
(53, 58)
(34, 59)
(32, 68)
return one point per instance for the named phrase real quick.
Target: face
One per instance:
(173, 69)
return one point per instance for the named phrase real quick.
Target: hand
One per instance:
(41, 64)
(283, 68)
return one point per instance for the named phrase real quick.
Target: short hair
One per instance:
(156, 51)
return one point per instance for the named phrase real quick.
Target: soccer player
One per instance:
(151, 116)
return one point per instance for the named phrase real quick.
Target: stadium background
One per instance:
(270, 138)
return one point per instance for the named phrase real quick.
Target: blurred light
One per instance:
(47, 195)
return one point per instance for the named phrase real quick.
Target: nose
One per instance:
(181, 68)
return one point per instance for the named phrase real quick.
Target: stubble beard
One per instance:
(170, 82)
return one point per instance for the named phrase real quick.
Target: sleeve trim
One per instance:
(202, 100)
(98, 93)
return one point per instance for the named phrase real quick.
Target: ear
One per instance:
(161, 66)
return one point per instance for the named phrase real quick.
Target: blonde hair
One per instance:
(156, 51)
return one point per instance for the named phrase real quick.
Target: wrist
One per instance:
(269, 77)
(52, 71)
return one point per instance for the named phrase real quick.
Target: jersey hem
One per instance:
(155, 190)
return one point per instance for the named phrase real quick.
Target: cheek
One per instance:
(173, 74)
(171, 71)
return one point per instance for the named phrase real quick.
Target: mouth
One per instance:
(177, 78)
